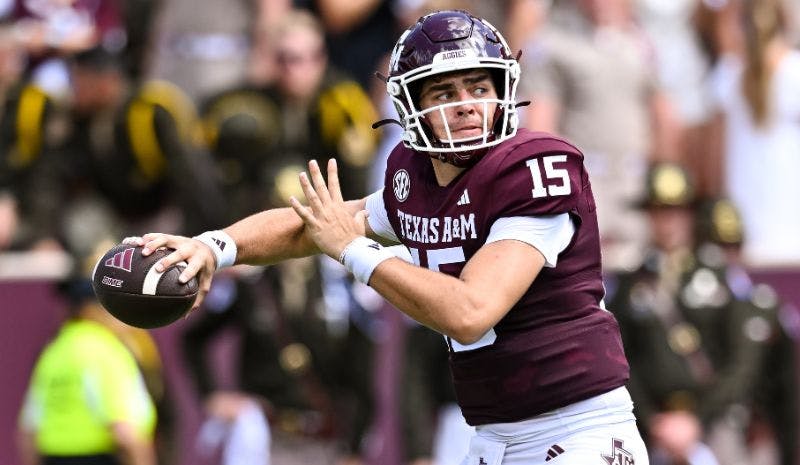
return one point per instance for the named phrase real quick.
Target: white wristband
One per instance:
(362, 256)
(222, 245)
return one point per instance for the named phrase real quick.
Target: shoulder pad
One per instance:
(535, 176)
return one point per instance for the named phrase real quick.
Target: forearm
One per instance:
(26, 444)
(270, 236)
(274, 235)
(131, 449)
(436, 300)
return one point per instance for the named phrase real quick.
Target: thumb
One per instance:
(361, 220)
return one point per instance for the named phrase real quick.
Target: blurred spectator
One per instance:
(139, 19)
(306, 353)
(683, 63)
(680, 62)
(756, 91)
(434, 431)
(773, 430)
(695, 342)
(590, 61)
(87, 401)
(11, 62)
(50, 30)
(262, 136)
(303, 393)
(358, 33)
(123, 160)
(202, 48)
(24, 136)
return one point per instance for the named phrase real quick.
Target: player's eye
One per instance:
(480, 91)
(444, 96)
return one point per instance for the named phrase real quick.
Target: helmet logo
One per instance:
(452, 55)
(401, 184)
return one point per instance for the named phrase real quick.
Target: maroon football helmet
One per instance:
(444, 42)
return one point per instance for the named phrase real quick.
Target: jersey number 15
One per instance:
(551, 173)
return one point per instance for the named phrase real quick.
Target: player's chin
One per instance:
(468, 133)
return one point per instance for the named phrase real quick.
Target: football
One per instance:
(129, 287)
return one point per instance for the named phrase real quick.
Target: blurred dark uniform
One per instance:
(427, 390)
(694, 338)
(122, 169)
(775, 413)
(24, 136)
(305, 351)
(261, 142)
(309, 365)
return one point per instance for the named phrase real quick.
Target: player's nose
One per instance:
(466, 104)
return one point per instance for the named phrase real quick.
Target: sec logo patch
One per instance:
(401, 183)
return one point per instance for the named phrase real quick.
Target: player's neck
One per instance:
(445, 172)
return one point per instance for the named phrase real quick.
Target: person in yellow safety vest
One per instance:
(87, 401)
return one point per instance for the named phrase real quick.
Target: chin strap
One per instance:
(386, 121)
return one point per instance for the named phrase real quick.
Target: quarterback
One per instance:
(501, 225)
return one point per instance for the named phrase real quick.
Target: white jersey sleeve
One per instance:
(378, 218)
(549, 234)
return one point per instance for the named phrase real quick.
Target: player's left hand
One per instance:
(328, 222)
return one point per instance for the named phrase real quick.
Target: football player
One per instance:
(502, 228)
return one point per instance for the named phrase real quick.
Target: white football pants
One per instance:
(597, 431)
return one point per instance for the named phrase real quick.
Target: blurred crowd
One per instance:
(120, 117)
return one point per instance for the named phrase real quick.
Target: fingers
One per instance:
(311, 195)
(361, 217)
(302, 211)
(199, 258)
(333, 181)
(205, 286)
(192, 268)
(151, 242)
(133, 240)
(319, 181)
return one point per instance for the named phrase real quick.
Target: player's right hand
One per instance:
(199, 258)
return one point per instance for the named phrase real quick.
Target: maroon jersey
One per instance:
(556, 345)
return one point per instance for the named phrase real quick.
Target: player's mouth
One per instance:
(468, 131)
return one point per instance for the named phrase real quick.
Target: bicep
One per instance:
(499, 274)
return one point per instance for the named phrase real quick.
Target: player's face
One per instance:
(464, 120)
